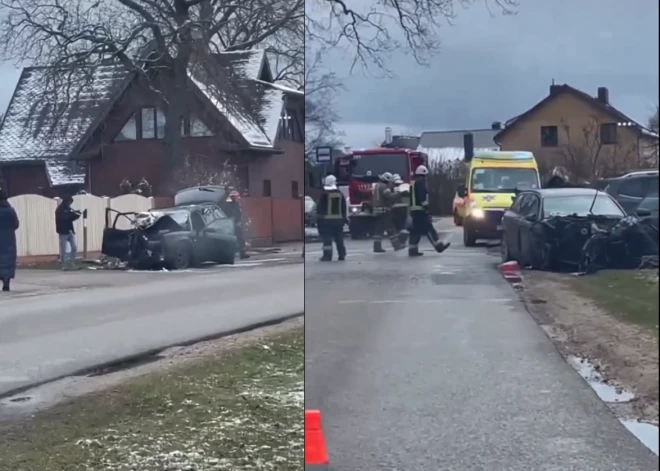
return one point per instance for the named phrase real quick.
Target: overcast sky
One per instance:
(491, 69)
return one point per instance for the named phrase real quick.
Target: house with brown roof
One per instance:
(112, 129)
(584, 133)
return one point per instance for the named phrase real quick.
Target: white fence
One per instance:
(36, 235)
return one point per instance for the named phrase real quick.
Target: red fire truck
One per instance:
(358, 171)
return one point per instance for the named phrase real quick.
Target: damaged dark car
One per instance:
(580, 229)
(193, 232)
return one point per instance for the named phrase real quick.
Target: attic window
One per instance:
(153, 123)
(129, 131)
(608, 133)
(549, 136)
(198, 129)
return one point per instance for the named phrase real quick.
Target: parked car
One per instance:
(196, 230)
(631, 189)
(546, 227)
(310, 212)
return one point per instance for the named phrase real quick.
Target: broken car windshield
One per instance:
(180, 217)
(503, 180)
(579, 206)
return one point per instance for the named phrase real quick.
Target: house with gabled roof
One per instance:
(112, 129)
(582, 132)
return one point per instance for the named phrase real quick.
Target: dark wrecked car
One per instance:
(580, 228)
(196, 230)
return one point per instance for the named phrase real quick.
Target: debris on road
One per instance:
(239, 409)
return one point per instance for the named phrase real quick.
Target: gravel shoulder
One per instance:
(609, 319)
(233, 403)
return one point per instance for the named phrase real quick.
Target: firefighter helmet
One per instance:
(330, 183)
(396, 178)
(386, 177)
(421, 170)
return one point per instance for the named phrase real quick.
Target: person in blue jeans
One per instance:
(65, 216)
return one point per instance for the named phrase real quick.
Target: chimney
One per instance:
(468, 146)
(347, 149)
(388, 136)
(603, 95)
(496, 126)
(554, 89)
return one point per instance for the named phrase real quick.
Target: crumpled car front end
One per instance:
(591, 243)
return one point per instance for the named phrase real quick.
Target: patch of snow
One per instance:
(257, 137)
(283, 88)
(645, 433)
(251, 67)
(606, 392)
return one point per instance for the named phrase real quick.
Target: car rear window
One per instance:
(579, 205)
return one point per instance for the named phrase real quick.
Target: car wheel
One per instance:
(180, 259)
(469, 239)
(228, 258)
(504, 250)
(458, 221)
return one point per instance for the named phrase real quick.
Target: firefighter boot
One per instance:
(441, 246)
(396, 243)
(413, 251)
(378, 246)
(403, 237)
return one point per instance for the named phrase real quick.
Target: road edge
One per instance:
(136, 358)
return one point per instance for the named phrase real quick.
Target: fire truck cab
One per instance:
(358, 172)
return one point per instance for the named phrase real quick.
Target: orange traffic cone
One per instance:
(315, 452)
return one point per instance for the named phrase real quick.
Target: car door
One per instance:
(220, 234)
(529, 215)
(511, 223)
(631, 191)
(200, 248)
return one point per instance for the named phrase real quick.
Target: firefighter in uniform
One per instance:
(421, 219)
(331, 215)
(400, 207)
(383, 198)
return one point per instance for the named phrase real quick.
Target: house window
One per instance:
(608, 133)
(295, 194)
(129, 131)
(267, 189)
(198, 129)
(291, 128)
(153, 123)
(549, 136)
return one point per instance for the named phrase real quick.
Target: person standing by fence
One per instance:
(8, 227)
(65, 216)
(237, 215)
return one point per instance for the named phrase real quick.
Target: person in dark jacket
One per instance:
(421, 219)
(65, 216)
(237, 215)
(332, 214)
(8, 226)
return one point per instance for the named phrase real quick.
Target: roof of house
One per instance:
(48, 129)
(444, 146)
(591, 100)
(35, 131)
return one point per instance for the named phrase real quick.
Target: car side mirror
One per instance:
(513, 198)
(643, 213)
(461, 191)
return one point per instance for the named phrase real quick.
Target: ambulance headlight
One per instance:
(477, 213)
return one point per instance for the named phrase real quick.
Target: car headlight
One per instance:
(477, 213)
(354, 209)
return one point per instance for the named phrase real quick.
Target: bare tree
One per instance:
(587, 157)
(165, 41)
(321, 115)
(380, 28)
(653, 120)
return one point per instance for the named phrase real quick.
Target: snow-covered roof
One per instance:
(38, 128)
(36, 131)
(449, 154)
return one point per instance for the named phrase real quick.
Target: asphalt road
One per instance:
(58, 323)
(433, 364)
